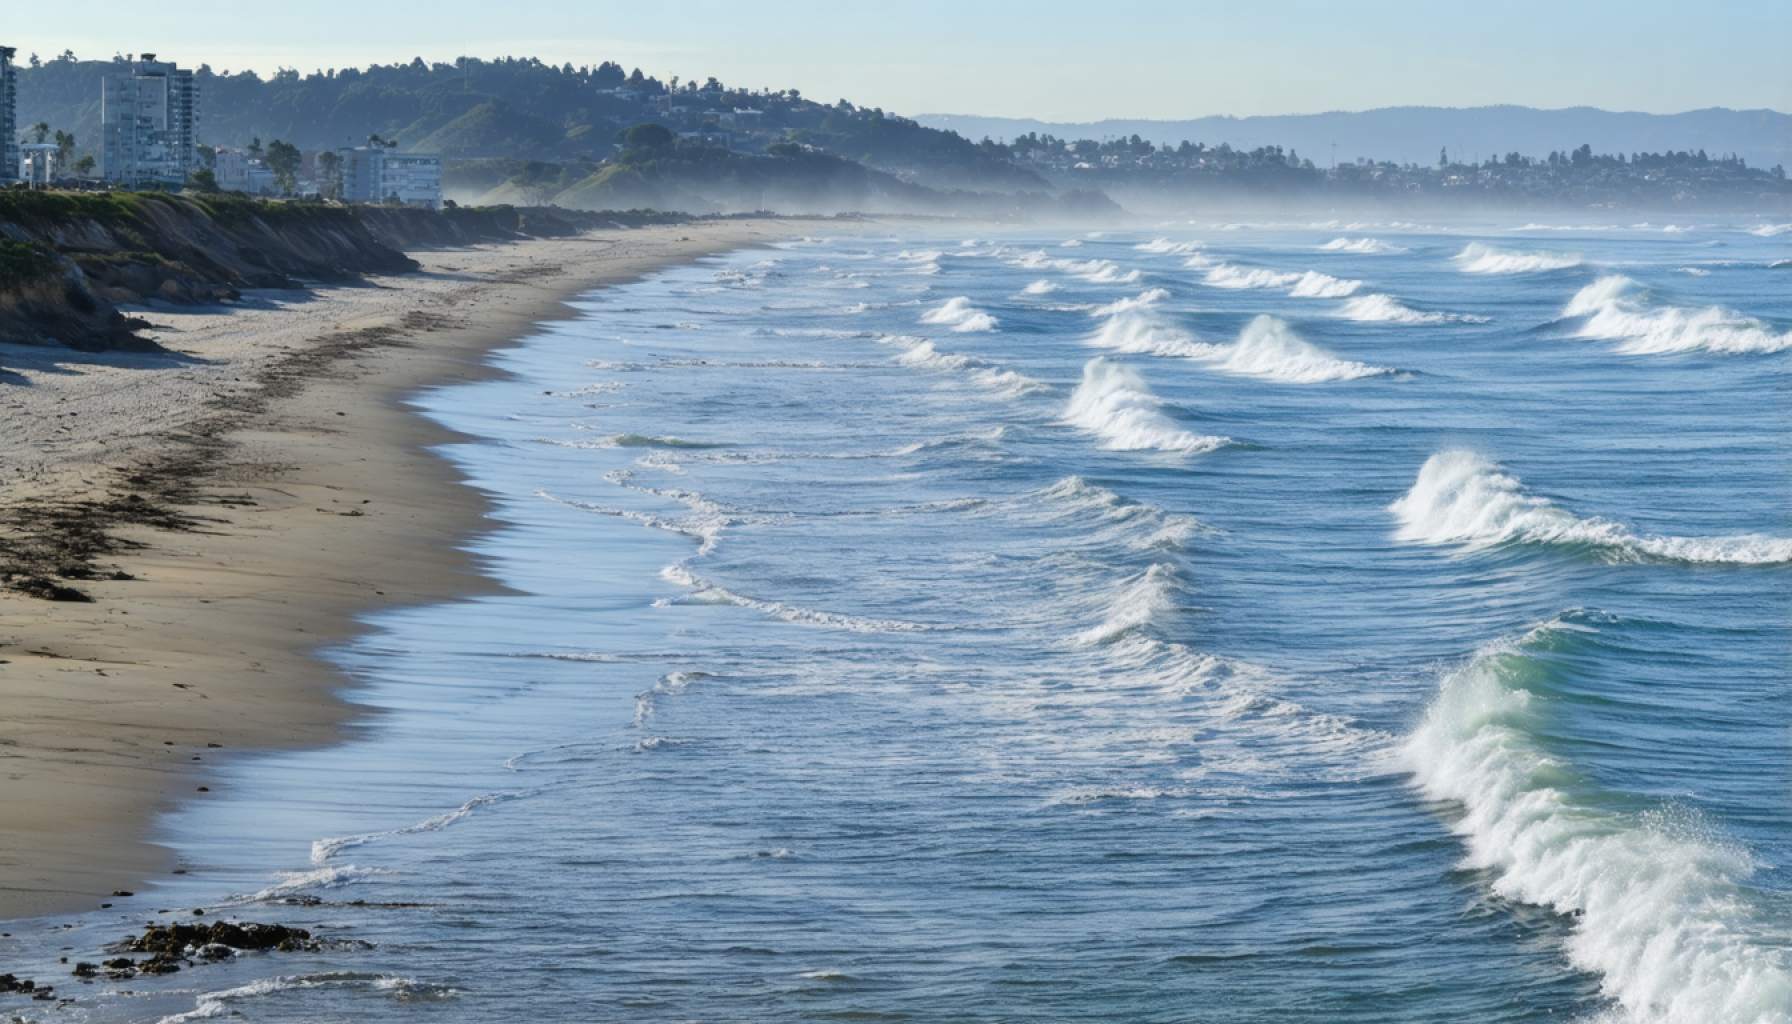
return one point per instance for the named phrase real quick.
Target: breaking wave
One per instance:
(1463, 499)
(1040, 287)
(1366, 246)
(1770, 230)
(324, 849)
(1662, 914)
(1141, 601)
(958, 314)
(1617, 308)
(1114, 403)
(1477, 258)
(1379, 308)
(921, 354)
(1307, 284)
(1269, 348)
(1096, 271)
(1148, 297)
(1165, 247)
(1137, 331)
(705, 590)
(1143, 527)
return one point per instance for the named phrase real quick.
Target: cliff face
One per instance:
(68, 260)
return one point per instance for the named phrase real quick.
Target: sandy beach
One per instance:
(253, 492)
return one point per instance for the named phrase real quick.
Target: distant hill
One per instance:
(1416, 134)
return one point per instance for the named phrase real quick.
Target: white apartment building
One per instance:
(9, 116)
(375, 174)
(149, 113)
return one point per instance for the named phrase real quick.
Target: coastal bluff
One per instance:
(70, 260)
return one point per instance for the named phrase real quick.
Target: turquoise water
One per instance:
(1309, 624)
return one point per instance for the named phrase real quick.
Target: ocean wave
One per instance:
(1114, 403)
(705, 525)
(1478, 258)
(1142, 601)
(1148, 297)
(1461, 498)
(221, 1003)
(324, 849)
(1269, 348)
(921, 354)
(1662, 914)
(291, 883)
(1305, 284)
(1616, 308)
(1770, 230)
(630, 441)
(1145, 527)
(1379, 308)
(707, 591)
(1365, 246)
(1040, 287)
(958, 314)
(1096, 271)
(1165, 247)
(1137, 331)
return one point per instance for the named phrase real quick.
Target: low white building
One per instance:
(237, 171)
(375, 174)
(37, 164)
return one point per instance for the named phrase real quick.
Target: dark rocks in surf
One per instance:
(207, 940)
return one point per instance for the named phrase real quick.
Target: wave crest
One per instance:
(1617, 308)
(1479, 258)
(958, 314)
(1114, 403)
(1462, 498)
(1662, 916)
(1365, 246)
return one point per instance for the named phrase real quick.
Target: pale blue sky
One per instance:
(1053, 59)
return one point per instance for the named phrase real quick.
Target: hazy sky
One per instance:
(1053, 59)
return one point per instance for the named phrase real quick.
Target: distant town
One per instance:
(519, 131)
(149, 138)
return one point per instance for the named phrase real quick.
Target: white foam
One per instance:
(1143, 527)
(1096, 271)
(1770, 230)
(212, 1005)
(1166, 247)
(1148, 297)
(1040, 287)
(293, 882)
(1461, 498)
(1141, 601)
(705, 590)
(1114, 403)
(1478, 258)
(922, 354)
(1307, 284)
(1365, 246)
(1661, 914)
(1269, 348)
(324, 849)
(1138, 331)
(1617, 308)
(1379, 308)
(958, 314)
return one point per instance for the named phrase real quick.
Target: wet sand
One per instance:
(261, 486)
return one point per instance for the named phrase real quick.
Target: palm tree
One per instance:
(40, 131)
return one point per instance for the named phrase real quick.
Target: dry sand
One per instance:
(276, 444)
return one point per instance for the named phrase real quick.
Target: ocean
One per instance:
(1219, 623)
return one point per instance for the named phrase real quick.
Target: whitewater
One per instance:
(1338, 622)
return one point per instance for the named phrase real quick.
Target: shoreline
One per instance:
(261, 488)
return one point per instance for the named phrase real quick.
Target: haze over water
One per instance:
(1253, 623)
